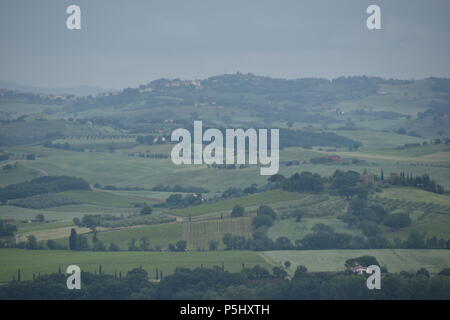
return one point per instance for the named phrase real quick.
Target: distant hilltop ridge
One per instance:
(82, 90)
(249, 77)
(226, 82)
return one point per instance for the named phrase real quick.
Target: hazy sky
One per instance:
(130, 42)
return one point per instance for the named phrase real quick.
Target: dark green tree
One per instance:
(237, 211)
(73, 239)
(32, 243)
(181, 245)
(146, 210)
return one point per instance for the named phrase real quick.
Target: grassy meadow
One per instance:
(157, 235)
(395, 260)
(45, 261)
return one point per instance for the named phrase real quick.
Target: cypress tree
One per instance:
(73, 240)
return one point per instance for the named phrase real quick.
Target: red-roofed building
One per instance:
(359, 269)
(335, 158)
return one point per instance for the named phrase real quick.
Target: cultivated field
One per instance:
(297, 230)
(46, 261)
(54, 233)
(157, 235)
(416, 195)
(269, 197)
(333, 260)
(199, 234)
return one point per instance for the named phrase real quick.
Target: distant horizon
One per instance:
(106, 89)
(123, 44)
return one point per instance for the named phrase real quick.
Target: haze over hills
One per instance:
(364, 164)
(418, 108)
(81, 90)
(339, 164)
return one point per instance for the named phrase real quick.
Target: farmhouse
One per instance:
(359, 269)
(335, 158)
(368, 179)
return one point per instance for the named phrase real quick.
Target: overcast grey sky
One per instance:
(129, 42)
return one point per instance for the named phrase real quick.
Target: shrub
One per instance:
(266, 210)
(146, 210)
(238, 211)
(213, 245)
(369, 228)
(260, 221)
(397, 220)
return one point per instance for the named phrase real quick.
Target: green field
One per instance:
(120, 170)
(268, 197)
(198, 234)
(144, 195)
(101, 198)
(93, 202)
(46, 261)
(38, 226)
(416, 195)
(421, 153)
(62, 214)
(21, 108)
(54, 233)
(430, 214)
(17, 174)
(378, 139)
(42, 125)
(297, 230)
(435, 225)
(332, 260)
(98, 140)
(158, 235)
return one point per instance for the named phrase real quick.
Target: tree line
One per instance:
(41, 185)
(423, 182)
(216, 283)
